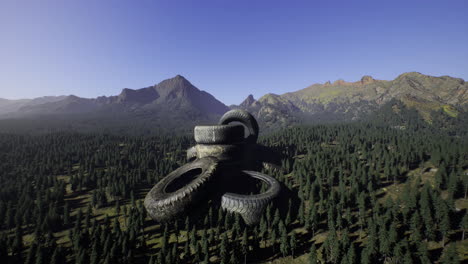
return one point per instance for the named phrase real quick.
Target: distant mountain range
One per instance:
(342, 101)
(176, 102)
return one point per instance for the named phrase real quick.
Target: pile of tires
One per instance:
(217, 145)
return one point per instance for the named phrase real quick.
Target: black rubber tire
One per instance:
(230, 152)
(251, 207)
(162, 205)
(246, 119)
(219, 134)
(191, 154)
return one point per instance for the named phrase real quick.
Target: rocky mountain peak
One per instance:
(339, 82)
(411, 75)
(366, 79)
(248, 101)
(174, 87)
(141, 96)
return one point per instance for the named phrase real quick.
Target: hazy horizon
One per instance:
(117, 92)
(230, 50)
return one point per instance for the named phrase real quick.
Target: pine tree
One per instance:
(39, 255)
(334, 247)
(159, 259)
(174, 255)
(423, 253)
(398, 255)
(313, 219)
(223, 251)
(31, 253)
(244, 245)
(18, 242)
(450, 255)
(293, 243)
(313, 254)
(55, 257)
(94, 254)
(233, 259)
(284, 243)
(263, 230)
(186, 250)
(362, 211)
(273, 237)
(351, 255)
(66, 214)
(287, 221)
(206, 250)
(117, 207)
(464, 225)
(197, 255)
(407, 258)
(444, 224)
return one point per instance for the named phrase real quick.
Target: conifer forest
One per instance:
(362, 192)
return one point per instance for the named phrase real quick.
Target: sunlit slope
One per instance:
(346, 101)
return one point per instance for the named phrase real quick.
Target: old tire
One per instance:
(191, 154)
(219, 134)
(244, 117)
(250, 207)
(171, 196)
(232, 152)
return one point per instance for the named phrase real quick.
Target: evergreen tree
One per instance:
(450, 255)
(223, 251)
(293, 243)
(464, 225)
(351, 254)
(284, 243)
(244, 245)
(313, 254)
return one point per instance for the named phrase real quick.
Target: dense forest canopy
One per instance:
(364, 192)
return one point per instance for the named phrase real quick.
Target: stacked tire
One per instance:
(225, 143)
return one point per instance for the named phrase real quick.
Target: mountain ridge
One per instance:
(178, 100)
(169, 93)
(344, 101)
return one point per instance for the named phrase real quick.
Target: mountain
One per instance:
(175, 103)
(175, 94)
(11, 106)
(172, 103)
(345, 101)
(248, 102)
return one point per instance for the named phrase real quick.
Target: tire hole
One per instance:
(183, 180)
(247, 185)
(246, 129)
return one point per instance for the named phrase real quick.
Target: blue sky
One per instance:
(227, 48)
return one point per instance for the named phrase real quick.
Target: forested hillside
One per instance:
(353, 193)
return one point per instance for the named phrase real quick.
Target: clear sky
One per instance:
(228, 48)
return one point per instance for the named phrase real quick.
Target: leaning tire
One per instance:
(251, 207)
(244, 117)
(219, 134)
(171, 196)
(191, 154)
